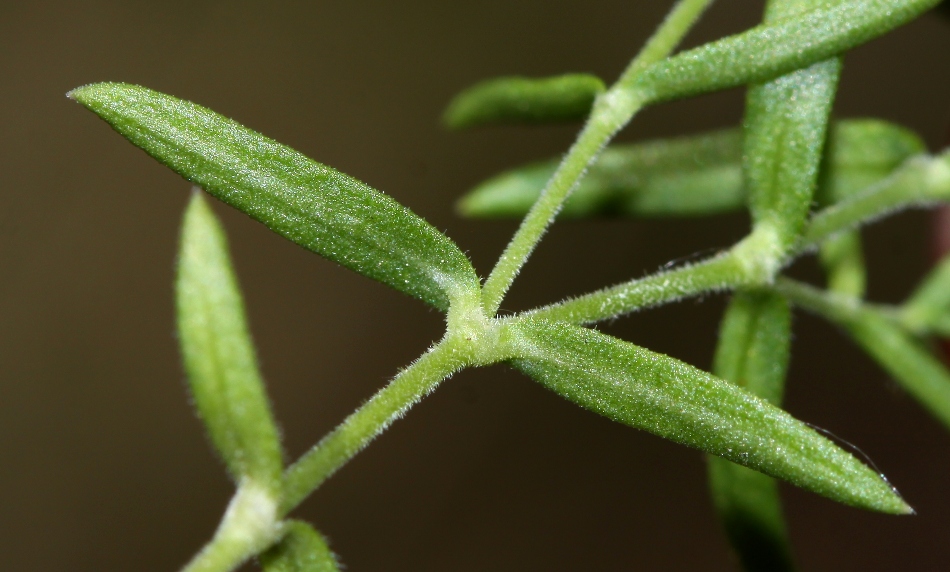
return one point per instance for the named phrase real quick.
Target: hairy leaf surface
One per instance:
(771, 50)
(219, 355)
(689, 176)
(753, 353)
(313, 205)
(676, 401)
(524, 100)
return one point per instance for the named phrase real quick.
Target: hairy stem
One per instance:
(249, 526)
(880, 333)
(713, 274)
(921, 180)
(611, 112)
(390, 403)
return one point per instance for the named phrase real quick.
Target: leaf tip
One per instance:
(82, 93)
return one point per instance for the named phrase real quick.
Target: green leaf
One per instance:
(912, 366)
(785, 125)
(688, 176)
(754, 344)
(524, 100)
(302, 549)
(673, 400)
(750, 510)
(771, 50)
(311, 204)
(219, 355)
(753, 353)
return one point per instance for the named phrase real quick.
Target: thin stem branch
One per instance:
(881, 334)
(362, 426)
(919, 181)
(611, 112)
(717, 273)
(249, 526)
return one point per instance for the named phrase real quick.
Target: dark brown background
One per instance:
(103, 466)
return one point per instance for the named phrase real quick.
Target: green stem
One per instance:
(833, 306)
(880, 334)
(612, 110)
(921, 180)
(249, 526)
(717, 273)
(362, 426)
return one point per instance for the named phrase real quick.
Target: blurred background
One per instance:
(103, 465)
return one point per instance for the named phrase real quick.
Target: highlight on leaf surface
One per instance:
(684, 176)
(676, 401)
(771, 50)
(689, 176)
(311, 204)
(784, 131)
(524, 100)
(302, 549)
(218, 353)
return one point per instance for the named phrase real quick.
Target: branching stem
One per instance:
(612, 110)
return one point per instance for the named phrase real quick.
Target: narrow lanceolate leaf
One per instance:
(302, 549)
(785, 127)
(689, 176)
(753, 352)
(685, 176)
(922, 375)
(669, 398)
(771, 50)
(786, 121)
(313, 205)
(219, 355)
(524, 100)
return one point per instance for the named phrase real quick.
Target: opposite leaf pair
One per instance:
(362, 229)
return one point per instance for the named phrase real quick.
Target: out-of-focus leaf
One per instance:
(753, 353)
(219, 355)
(684, 176)
(687, 176)
(754, 344)
(313, 205)
(524, 100)
(673, 400)
(302, 549)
